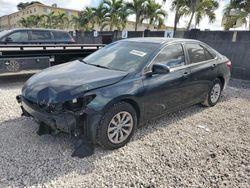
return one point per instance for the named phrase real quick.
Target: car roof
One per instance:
(36, 29)
(159, 40)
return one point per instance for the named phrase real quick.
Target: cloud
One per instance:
(8, 7)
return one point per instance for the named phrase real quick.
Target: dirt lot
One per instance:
(196, 147)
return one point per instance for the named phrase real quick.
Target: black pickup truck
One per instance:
(30, 50)
(30, 58)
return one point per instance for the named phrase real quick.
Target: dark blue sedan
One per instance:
(105, 96)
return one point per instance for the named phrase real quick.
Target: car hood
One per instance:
(68, 81)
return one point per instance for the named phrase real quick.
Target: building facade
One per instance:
(12, 21)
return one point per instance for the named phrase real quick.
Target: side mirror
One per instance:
(8, 39)
(160, 69)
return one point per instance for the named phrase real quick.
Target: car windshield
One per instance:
(123, 56)
(2, 33)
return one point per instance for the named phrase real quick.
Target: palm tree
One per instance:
(154, 14)
(82, 20)
(123, 17)
(99, 15)
(179, 6)
(50, 20)
(88, 15)
(115, 14)
(75, 22)
(137, 8)
(38, 20)
(62, 20)
(31, 21)
(200, 9)
(243, 13)
(24, 22)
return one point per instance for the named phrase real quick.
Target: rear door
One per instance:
(202, 64)
(41, 37)
(62, 37)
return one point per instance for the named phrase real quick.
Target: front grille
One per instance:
(45, 107)
(49, 108)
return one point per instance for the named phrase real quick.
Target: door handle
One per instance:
(213, 66)
(185, 75)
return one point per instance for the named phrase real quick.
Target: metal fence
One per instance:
(233, 44)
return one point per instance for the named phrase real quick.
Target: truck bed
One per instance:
(19, 59)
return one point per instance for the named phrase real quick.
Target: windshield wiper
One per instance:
(83, 61)
(100, 66)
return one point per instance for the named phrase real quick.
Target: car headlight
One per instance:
(50, 108)
(79, 103)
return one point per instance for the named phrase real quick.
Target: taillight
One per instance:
(229, 64)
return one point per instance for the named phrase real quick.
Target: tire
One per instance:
(214, 94)
(106, 136)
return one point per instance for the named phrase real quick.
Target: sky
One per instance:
(9, 6)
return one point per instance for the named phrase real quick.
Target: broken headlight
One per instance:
(50, 108)
(78, 103)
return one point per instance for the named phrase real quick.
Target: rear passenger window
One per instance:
(172, 56)
(41, 35)
(61, 36)
(196, 53)
(208, 54)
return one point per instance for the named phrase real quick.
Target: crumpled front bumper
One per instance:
(74, 123)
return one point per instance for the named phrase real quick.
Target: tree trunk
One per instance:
(190, 21)
(193, 7)
(176, 20)
(249, 23)
(136, 23)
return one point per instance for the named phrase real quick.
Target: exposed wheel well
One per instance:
(135, 106)
(222, 81)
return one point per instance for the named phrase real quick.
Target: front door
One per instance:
(17, 37)
(167, 92)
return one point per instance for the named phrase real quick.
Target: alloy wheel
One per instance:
(215, 93)
(120, 127)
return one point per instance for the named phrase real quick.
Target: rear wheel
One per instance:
(117, 126)
(214, 94)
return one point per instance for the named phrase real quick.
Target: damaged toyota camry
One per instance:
(102, 99)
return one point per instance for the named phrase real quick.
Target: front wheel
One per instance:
(214, 94)
(117, 126)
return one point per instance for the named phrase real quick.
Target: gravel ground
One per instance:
(195, 147)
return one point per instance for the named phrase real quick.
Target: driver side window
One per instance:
(172, 56)
(20, 36)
